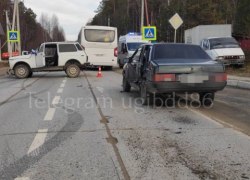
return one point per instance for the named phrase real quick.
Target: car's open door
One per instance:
(40, 57)
(132, 66)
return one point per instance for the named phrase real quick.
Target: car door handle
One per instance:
(82, 55)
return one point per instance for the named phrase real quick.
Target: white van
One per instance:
(224, 49)
(127, 45)
(100, 43)
(217, 41)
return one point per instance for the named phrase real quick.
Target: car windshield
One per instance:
(174, 51)
(223, 43)
(133, 46)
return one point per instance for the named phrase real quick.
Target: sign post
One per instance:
(176, 22)
(149, 33)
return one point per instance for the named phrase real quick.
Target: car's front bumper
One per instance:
(232, 61)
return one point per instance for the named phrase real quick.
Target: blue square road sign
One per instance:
(13, 36)
(149, 33)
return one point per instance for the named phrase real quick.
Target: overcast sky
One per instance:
(72, 14)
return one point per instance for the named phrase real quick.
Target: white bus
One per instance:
(100, 43)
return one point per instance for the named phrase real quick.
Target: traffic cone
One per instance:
(99, 74)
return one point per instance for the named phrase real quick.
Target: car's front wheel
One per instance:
(22, 71)
(72, 70)
(125, 85)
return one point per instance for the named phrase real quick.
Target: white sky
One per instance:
(72, 14)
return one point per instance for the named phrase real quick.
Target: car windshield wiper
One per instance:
(217, 46)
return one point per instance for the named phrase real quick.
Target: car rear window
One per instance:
(94, 35)
(179, 51)
(67, 48)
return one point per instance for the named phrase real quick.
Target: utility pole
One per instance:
(18, 29)
(8, 27)
(142, 15)
(146, 8)
(12, 27)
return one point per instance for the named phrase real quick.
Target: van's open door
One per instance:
(40, 57)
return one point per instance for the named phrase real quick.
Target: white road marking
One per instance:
(64, 81)
(22, 178)
(38, 140)
(56, 100)
(62, 85)
(60, 90)
(50, 114)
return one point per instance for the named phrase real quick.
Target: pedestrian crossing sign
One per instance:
(13, 36)
(149, 33)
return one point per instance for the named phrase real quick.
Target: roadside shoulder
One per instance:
(4, 66)
(239, 82)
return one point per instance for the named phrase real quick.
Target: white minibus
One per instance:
(100, 43)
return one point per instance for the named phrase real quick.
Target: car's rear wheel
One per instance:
(110, 68)
(146, 97)
(120, 65)
(22, 71)
(125, 85)
(72, 70)
(207, 99)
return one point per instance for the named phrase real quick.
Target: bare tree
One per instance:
(57, 33)
(45, 23)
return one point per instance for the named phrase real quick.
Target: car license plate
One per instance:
(193, 78)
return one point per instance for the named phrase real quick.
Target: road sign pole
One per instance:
(176, 22)
(175, 36)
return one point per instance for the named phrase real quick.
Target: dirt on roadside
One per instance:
(4, 66)
(239, 71)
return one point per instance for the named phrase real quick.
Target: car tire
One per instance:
(119, 64)
(30, 74)
(72, 70)
(110, 68)
(207, 99)
(125, 85)
(22, 71)
(146, 97)
(240, 65)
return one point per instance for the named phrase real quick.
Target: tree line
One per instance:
(33, 33)
(125, 15)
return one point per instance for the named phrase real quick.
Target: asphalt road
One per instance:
(52, 127)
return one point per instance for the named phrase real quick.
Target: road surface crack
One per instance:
(111, 139)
